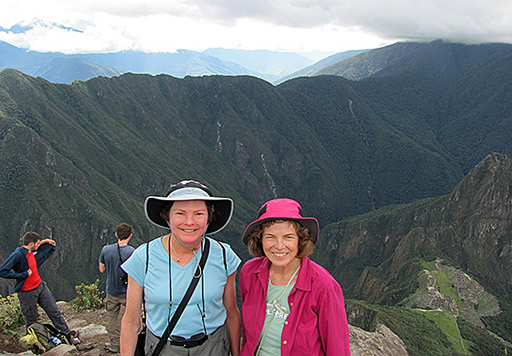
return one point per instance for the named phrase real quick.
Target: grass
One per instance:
(444, 281)
(420, 335)
(448, 324)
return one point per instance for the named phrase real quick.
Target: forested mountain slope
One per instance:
(77, 159)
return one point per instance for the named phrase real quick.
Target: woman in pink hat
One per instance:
(290, 304)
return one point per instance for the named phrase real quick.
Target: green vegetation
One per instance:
(10, 312)
(426, 333)
(444, 280)
(480, 341)
(420, 335)
(448, 324)
(79, 159)
(88, 297)
(500, 324)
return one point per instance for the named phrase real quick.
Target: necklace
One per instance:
(173, 250)
(277, 306)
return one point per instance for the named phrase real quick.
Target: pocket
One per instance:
(217, 344)
(150, 342)
(227, 341)
(109, 305)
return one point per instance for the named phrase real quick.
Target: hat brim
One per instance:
(222, 210)
(310, 223)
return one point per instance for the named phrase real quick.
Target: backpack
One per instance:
(44, 336)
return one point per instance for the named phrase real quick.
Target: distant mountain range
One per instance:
(400, 167)
(274, 65)
(62, 68)
(320, 65)
(54, 67)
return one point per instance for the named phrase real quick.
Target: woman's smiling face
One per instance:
(280, 243)
(188, 220)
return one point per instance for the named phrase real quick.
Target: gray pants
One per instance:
(44, 297)
(217, 344)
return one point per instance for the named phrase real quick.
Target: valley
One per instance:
(406, 165)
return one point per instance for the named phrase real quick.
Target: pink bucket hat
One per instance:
(282, 209)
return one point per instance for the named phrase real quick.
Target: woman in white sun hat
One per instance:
(161, 272)
(291, 306)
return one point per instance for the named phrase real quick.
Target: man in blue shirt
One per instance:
(111, 258)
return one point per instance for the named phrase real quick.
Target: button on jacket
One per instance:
(317, 323)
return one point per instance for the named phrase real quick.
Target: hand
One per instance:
(48, 241)
(29, 272)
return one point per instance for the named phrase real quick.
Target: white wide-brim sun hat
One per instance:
(190, 190)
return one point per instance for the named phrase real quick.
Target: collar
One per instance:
(303, 282)
(304, 279)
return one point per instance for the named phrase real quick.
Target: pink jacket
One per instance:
(317, 323)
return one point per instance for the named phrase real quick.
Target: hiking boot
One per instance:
(111, 348)
(73, 337)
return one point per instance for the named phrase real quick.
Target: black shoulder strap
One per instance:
(119, 253)
(147, 257)
(199, 273)
(223, 256)
(145, 273)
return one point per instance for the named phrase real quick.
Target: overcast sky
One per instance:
(73, 26)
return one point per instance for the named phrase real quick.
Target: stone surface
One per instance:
(381, 342)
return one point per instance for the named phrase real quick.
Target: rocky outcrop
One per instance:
(381, 342)
(93, 334)
(376, 256)
(90, 324)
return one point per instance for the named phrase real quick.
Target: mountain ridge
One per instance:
(267, 65)
(78, 159)
(77, 123)
(381, 257)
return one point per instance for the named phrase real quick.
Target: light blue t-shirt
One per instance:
(156, 287)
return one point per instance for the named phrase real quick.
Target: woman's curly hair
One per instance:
(306, 244)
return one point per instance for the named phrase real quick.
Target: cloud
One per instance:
(414, 19)
(332, 25)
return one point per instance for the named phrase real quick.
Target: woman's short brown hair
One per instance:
(306, 244)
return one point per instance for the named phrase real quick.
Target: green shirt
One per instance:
(271, 345)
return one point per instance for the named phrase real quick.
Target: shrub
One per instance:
(10, 312)
(88, 297)
(481, 341)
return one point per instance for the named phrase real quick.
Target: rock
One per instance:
(62, 350)
(93, 335)
(381, 342)
(93, 352)
(91, 331)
